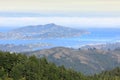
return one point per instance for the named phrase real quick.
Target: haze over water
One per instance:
(96, 36)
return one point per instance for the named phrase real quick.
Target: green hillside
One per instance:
(20, 67)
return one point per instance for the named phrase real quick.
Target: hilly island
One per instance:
(42, 32)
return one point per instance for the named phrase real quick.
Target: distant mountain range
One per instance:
(23, 47)
(42, 32)
(105, 46)
(88, 61)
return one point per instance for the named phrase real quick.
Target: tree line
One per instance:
(21, 67)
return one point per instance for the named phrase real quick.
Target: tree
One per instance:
(17, 71)
(2, 73)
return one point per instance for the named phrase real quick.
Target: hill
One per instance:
(42, 32)
(87, 61)
(20, 67)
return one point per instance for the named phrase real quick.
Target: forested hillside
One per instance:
(20, 67)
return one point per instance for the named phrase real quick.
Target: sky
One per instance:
(73, 13)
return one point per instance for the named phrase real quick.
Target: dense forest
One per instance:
(21, 67)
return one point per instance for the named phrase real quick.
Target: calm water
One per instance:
(95, 36)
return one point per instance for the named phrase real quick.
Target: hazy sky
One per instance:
(83, 12)
(63, 7)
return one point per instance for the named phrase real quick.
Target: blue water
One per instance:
(106, 35)
(6, 29)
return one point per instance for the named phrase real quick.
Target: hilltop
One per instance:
(42, 32)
